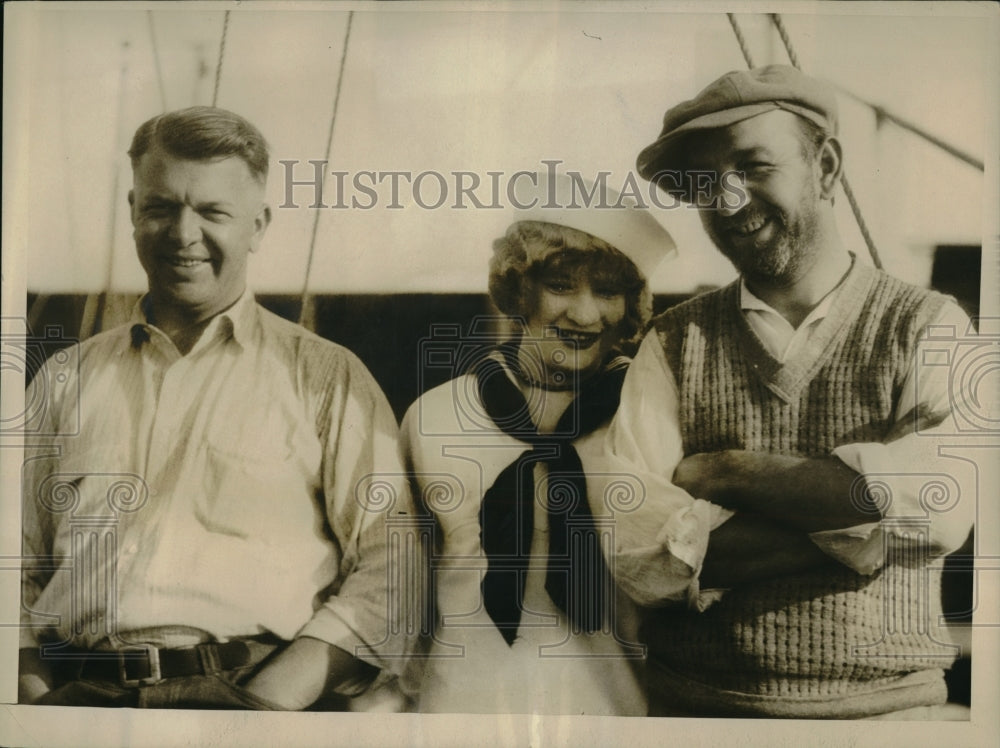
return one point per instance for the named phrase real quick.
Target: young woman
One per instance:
(528, 619)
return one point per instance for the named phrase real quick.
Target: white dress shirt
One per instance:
(245, 487)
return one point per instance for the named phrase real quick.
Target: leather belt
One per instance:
(144, 664)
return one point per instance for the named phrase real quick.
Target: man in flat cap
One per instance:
(762, 418)
(206, 516)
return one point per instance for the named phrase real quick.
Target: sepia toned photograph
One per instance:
(451, 373)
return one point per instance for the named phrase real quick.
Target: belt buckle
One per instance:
(152, 656)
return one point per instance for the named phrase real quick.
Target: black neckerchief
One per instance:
(577, 579)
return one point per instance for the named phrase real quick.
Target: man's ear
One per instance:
(830, 159)
(260, 223)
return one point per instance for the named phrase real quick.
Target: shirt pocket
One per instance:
(251, 496)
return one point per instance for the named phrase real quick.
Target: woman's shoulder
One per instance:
(446, 409)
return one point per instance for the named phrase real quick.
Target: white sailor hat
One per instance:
(594, 208)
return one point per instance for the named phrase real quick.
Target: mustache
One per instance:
(742, 219)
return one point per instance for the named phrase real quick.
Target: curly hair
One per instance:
(513, 272)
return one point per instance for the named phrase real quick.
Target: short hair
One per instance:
(811, 136)
(203, 132)
(513, 274)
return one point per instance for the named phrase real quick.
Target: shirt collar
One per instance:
(238, 321)
(750, 302)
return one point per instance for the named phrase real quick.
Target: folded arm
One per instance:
(661, 532)
(678, 540)
(809, 494)
(750, 548)
(847, 501)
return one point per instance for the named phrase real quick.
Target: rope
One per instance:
(740, 39)
(883, 114)
(783, 33)
(848, 192)
(156, 61)
(218, 66)
(304, 304)
(862, 226)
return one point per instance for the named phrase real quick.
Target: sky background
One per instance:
(468, 90)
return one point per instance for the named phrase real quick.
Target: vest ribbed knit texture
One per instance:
(822, 634)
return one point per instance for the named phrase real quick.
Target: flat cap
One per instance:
(734, 97)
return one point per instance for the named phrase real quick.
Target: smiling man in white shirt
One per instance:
(763, 420)
(206, 521)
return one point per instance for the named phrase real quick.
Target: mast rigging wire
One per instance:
(156, 61)
(222, 54)
(848, 192)
(305, 306)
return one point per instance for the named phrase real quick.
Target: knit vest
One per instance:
(799, 645)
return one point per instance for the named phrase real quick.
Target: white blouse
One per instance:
(456, 453)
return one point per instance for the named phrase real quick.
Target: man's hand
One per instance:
(303, 671)
(34, 678)
(749, 548)
(704, 477)
(916, 420)
(808, 493)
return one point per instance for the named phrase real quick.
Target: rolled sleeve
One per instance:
(368, 613)
(901, 476)
(665, 568)
(661, 537)
(911, 478)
